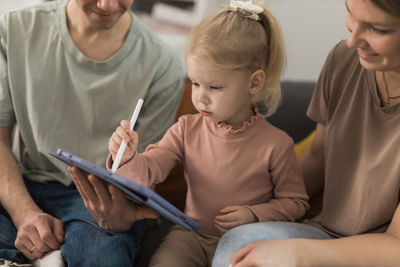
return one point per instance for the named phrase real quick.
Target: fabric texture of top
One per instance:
(59, 98)
(362, 141)
(253, 166)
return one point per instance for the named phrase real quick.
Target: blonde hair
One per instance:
(228, 40)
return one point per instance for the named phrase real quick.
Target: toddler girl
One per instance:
(238, 167)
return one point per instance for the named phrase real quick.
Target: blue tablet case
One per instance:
(134, 191)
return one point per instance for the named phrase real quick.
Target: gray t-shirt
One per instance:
(362, 144)
(58, 98)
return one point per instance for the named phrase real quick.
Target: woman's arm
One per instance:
(362, 250)
(312, 163)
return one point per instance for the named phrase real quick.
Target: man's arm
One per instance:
(361, 250)
(37, 232)
(14, 196)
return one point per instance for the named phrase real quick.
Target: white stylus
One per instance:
(123, 145)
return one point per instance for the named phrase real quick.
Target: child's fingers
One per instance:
(134, 136)
(229, 209)
(116, 138)
(227, 217)
(131, 147)
(125, 124)
(114, 143)
(127, 135)
(123, 134)
(227, 225)
(229, 214)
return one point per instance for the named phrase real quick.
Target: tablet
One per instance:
(134, 191)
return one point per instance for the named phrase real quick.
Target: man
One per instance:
(69, 72)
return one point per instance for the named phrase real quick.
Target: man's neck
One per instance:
(97, 44)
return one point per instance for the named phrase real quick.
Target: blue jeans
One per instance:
(238, 237)
(86, 244)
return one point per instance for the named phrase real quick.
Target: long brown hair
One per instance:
(391, 7)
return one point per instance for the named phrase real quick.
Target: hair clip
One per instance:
(246, 9)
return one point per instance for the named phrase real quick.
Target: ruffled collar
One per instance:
(246, 124)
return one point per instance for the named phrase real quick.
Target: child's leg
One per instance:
(182, 248)
(209, 244)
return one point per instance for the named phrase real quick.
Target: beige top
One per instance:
(362, 144)
(255, 166)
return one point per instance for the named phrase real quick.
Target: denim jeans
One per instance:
(238, 237)
(85, 243)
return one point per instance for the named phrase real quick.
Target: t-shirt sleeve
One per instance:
(7, 117)
(318, 108)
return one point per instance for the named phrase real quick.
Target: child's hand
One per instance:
(233, 216)
(130, 137)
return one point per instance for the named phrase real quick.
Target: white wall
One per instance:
(7, 5)
(311, 28)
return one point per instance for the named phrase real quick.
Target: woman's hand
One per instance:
(108, 205)
(270, 253)
(39, 233)
(130, 137)
(233, 216)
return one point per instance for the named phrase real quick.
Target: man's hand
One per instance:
(233, 216)
(38, 234)
(108, 205)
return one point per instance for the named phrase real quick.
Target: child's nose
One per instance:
(202, 95)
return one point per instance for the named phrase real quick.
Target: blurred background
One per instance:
(310, 27)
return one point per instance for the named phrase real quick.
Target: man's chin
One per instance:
(100, 23)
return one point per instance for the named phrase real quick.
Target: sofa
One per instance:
(290, 117)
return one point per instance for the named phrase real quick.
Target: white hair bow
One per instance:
(249, 10)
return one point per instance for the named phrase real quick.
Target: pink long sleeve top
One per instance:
(253, 166)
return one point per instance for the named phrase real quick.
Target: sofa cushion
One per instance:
(291, 114)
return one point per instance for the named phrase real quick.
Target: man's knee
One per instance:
(88, 245)
(105, 251)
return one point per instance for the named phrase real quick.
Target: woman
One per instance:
(354, 158)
